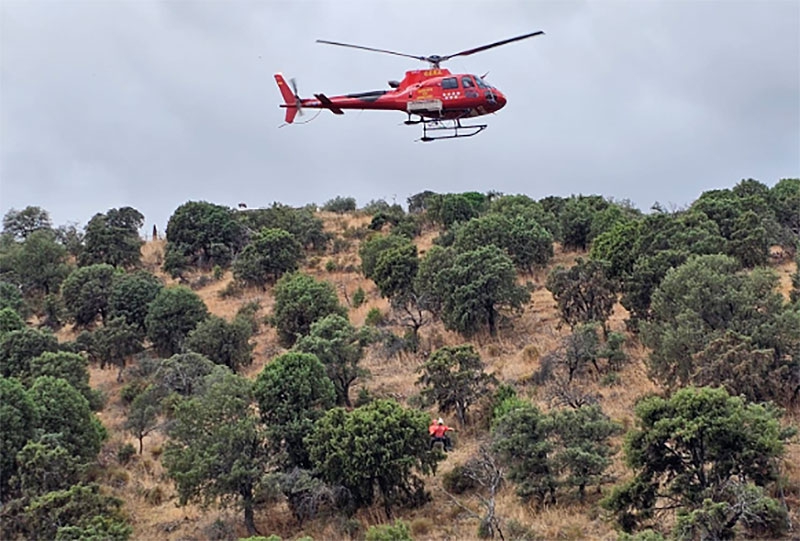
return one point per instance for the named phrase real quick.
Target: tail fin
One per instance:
(289, 98)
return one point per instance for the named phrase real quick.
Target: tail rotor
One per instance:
(298, 102)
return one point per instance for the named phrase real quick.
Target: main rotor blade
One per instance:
(491, 45)
(370, 49)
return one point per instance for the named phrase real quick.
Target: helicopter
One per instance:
(435, 98)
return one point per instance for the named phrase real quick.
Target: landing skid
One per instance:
(445, 129)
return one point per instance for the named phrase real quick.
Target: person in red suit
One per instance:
(438, 431)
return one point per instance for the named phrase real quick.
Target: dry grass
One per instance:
(513, 355)
(785, 269)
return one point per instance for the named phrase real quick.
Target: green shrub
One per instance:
(457, 482)
(331, 266)
(375, 317)
(233, 289)
(399, 531)
(340, 245)
(359, 297)
(125, 453)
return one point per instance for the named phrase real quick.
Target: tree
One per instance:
(216, 451)
(747, 504)
(576, 352)
(79, 512)
(638, 286)
(785, 200)
(451, 208)
(372, 248)
(378, 446)
(702, 300)
(691, 232)
(617, 246)
(270, 254)
(453, 377)
(521, 440)
(46, 466)
(67, 366)
(143, 416)
(300, 300)
(527, 243)
(523, 206)
(583, 292)
(338, 346)
(86, 293)
(10, 297)
(71, 238)
(114, 344)
(201, 234)
(575, 220)
(477, 288)
(582, 447)
(18, 422)
(734, 362)
(722, 207)
(17, 348)
(224, 343)
(693, 447)
(39, 263)
(483, 471)
(10, 320)
(430, 285)
(340, 205)
(20, 224)
(184, 374)
(131, 295)
(302, 223)
(749, 242)
(113, 238)
(172, 315)
(63, 410)
(395, 270)
(419, 202)
(292, 392)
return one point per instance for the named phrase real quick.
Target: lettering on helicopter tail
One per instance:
(419, 106)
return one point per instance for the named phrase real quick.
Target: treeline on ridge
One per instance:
(722, 342)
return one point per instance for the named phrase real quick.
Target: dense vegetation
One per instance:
(299, 417)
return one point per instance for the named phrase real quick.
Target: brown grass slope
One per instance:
(512, 356)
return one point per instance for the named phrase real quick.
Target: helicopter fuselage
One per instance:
(430, 93)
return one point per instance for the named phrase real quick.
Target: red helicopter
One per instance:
(438, 99)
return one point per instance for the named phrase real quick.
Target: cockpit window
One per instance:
(450, 82)
(466, 82)
(481, 83)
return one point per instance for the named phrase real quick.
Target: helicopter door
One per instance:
(468, 84)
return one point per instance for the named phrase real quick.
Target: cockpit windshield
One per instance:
(480, 82)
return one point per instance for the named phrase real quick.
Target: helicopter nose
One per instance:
(501, 100)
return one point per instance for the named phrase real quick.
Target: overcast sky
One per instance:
(150, 104)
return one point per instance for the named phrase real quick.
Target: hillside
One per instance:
(280, 370)
(512, 356)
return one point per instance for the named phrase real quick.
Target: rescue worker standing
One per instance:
(438, 431)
